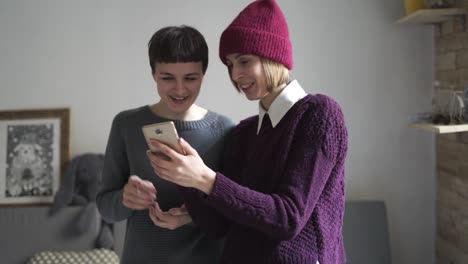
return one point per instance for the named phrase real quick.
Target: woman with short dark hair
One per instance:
(178, 58)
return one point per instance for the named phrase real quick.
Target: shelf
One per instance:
(441, 129)
(424, 16)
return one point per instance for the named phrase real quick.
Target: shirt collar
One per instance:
(282, 103)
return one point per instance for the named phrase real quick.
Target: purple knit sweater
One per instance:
(280, 196)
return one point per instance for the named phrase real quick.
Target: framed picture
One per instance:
(34, 148)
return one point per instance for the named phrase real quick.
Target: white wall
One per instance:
(91, 56)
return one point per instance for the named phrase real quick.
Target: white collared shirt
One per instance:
(282, 103)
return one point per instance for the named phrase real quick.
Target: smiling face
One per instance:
(246, 72)
(178, 86)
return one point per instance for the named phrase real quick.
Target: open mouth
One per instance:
(245, 86)
(178, 99)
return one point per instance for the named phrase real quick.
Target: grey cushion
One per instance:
(95, 256)
(26, 231)
(365, 233)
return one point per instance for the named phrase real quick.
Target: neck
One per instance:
(194, 113)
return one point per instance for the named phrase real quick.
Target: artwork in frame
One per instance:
(34, 148)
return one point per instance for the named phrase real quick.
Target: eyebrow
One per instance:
(239, 55)
(235, 57)
(191, 73)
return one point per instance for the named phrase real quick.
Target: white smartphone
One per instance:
(164, 132)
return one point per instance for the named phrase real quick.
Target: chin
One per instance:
(179, 109)
(252, 97)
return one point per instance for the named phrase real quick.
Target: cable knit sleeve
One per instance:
(317, 145)
(207, 218)
(114, 176)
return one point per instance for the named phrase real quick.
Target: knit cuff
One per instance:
(222, 190)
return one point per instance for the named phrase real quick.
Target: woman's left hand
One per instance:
(172, 219)
(185, 170)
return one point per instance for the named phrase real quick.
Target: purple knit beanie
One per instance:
(260, 29)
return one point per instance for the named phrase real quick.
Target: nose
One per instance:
(236, 73)
(179, 87)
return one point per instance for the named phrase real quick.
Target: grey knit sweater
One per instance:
(125, 156)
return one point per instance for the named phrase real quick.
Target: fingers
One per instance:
(135, 202)
(148, 187)
(187, 148)
(166, 150)
(158, 169)
(182, 170)
(160, 212)
(134, 179)
(143, 186)
(155, 219)
(138, 194)
(166, 220)
(178, 211)
(158, 159)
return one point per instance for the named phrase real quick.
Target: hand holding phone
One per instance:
(164, 132)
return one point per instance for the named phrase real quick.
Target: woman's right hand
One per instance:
(187, 170)
(138, 194)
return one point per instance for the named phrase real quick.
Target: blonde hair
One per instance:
(276, 74)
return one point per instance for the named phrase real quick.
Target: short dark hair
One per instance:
(177, 44)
